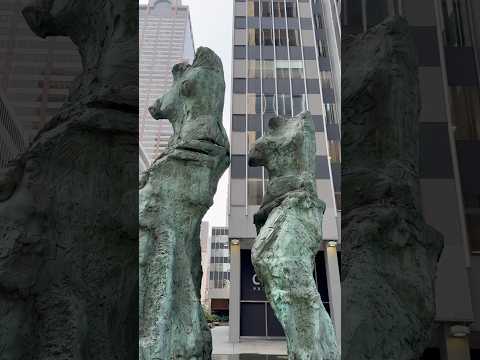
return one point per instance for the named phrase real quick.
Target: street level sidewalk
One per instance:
(222, 346)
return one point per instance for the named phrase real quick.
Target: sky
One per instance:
(212, 27)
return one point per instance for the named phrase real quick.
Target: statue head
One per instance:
(51, 17)
(194, 103)
(198, 88)
(287, 148)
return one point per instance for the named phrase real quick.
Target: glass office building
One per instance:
(285, 60)
(165, 39)
(447, 40)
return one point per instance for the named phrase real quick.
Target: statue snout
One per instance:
(156, 110)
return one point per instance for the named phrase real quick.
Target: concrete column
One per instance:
(334, 289)
(234, 303)
(454, 348)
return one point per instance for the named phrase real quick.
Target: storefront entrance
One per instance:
(256, 315)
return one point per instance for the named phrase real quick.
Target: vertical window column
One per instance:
(305, 98)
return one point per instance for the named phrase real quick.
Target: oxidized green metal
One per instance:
(175, 194)
(389, 252)
(289, 227)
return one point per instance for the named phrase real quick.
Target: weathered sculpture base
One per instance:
(170, 262)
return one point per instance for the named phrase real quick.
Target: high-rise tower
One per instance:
(165, 40)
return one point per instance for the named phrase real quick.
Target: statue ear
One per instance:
(187, 88)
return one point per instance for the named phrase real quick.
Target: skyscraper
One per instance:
(35, 73)
(165, 40)
(447, 40)
(219, 271)
(285, 60)
(12, 136)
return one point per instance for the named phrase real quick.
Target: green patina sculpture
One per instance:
(389, 253)
(175, 193)
(289, 227)
(68, 214)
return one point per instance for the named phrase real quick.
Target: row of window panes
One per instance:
(267, 68)
(330, 113)
(268, 37)
(219, 245)
(280, 8)
(219, 260)
(219, 275)
(267, 104)
(219, 231)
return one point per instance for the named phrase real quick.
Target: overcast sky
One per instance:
(212, 27)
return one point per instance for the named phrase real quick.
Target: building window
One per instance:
(270, 104)
(251, 138)
(326, 78)
(257, 37)
(292, 9)
(293, 37)
(284, 104)
(254, 69)
(255, 191)
(456, 23)
(296, 67)
(266, 9)
(252, 8)
(267, 39)
(265, 104)
(338, 201)
(279, 8)
(465, 103)
(330, 114)
(282, 69)
(253, 37)
(322, 49)
(299, 104)
(267, 70)
(334, 151)
(281, 37)
(318, 21)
